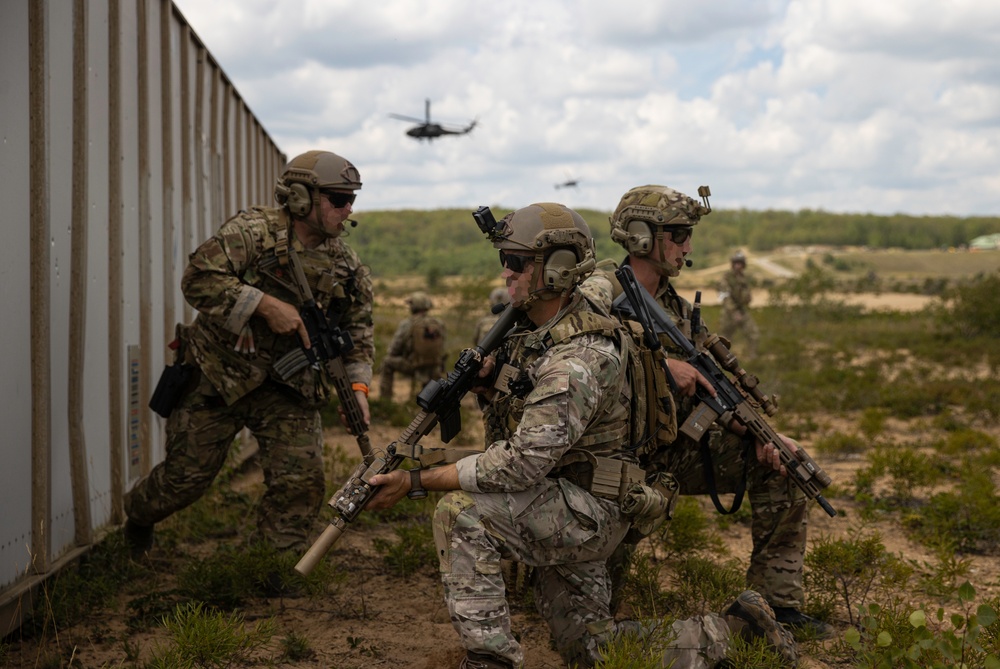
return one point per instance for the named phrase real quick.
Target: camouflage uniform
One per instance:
(416, 349)
(735, 294)
(526, 499)
(236, 385)
(778, 506)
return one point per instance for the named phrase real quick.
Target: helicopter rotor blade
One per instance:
(401, 117)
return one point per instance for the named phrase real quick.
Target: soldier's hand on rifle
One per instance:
(688, 378)
(486, 374)
(768, 454)
(365, 411)
(394, 486)
(282, 318)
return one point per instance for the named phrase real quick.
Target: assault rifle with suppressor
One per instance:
(439, 402)
(327, 345)
(731, 400)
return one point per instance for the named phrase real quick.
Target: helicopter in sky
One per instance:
(430, 131)
(571, 182)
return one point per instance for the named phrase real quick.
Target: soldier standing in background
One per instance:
(655, 225)
(417, 348)
(546, 491)
(498, 296)
(248, 318)
(735, 296)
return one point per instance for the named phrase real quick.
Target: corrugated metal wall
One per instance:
(122, 146)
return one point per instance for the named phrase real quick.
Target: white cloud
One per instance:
(848, 105)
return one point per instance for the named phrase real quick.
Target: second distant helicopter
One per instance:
(429, 131)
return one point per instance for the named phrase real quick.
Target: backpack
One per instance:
(428, 341)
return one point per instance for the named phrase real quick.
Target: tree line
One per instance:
(446, 242)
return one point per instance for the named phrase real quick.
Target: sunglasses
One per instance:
(515, 263)
(679, 235)
(339, 200)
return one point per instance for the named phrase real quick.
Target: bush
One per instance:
(972, 309)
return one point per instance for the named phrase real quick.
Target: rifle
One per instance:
(739, 401)
(328, 344)
(439, 402)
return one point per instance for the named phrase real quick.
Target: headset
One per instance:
(295, 196)
(561, 269)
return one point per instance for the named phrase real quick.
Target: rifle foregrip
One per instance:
(319, 548)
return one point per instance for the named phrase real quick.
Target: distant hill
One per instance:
(447, 242)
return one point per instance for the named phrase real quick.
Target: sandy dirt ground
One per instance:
(377, 620)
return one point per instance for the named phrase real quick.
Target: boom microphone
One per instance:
(688, 262)
(353, 223)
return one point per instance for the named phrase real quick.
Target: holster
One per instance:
(173, 383)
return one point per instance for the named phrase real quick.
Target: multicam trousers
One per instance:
(200, 432)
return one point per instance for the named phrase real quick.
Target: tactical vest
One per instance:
(610, 432)
(234, 373)
(428, 340)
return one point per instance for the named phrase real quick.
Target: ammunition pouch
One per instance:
(606, 478)
(649, 505)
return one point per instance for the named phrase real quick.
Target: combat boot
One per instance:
(478, 661)
(802, 626)
(138, 538)
(751, 617)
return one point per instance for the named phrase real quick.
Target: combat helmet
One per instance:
(305, 176)
(740, 257)
(644, 212)
(419, 302)
(560, 240)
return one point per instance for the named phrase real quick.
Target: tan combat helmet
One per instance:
(560, 240)
(739, 257)
(304, 178)
(644, 212)
(419, 302)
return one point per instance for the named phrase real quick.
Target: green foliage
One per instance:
(88, 584)
(897, 636)
(408, 242)
(638, 648)
(201, 637)
(969, 514)
(972, 309)
(703, 585)
(755, 653)
(849, 572)
(295, 648)
(688, 532)
(233, 575)
(904, 469)
(412, 550)
(840, 444)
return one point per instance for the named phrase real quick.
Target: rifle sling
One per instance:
(713, 490)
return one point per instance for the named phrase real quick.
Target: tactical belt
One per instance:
(607, 478)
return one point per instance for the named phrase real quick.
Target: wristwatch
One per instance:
(416, 490)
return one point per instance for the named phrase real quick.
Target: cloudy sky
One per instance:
(845, 105)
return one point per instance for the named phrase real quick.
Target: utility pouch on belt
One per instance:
(172, 384)
(607, 478)
(649, 505)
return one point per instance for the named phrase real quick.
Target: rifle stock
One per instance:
(439, 403)
(733, 400)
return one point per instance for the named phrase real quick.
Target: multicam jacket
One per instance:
(225, 280)
(566, 390)
(734, 291)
